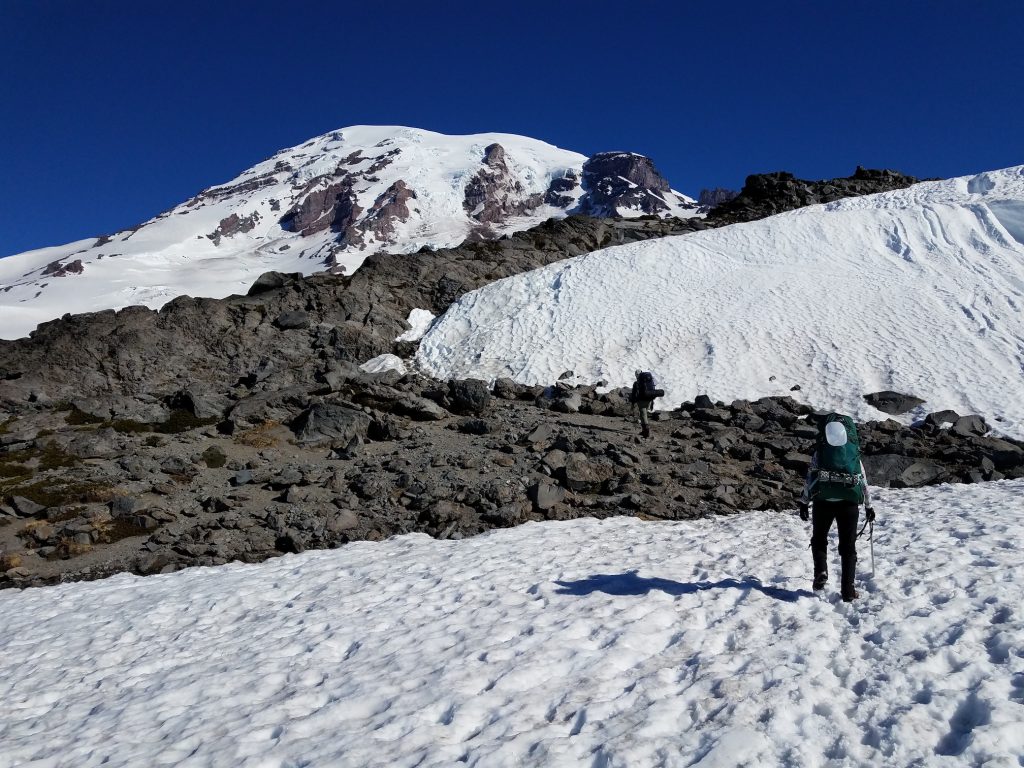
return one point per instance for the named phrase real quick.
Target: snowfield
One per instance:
(595, 643)
(919, 290)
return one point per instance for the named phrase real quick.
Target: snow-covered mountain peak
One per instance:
(326, 204)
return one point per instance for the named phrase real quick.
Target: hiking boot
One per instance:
(645, 432)
(849, 575)
(820, 568)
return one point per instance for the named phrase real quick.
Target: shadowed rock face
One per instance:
(559, 189)
(623, 180)
(709, 198)
(332, 206)
(390, 206)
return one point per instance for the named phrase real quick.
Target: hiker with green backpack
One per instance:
(836, 486)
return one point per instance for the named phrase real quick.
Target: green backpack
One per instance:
(838, 477)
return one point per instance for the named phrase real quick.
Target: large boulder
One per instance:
(330, 424)
(968, 426)
(921, 472)
(1004, 454)
(468, 396)
(277, 405)
(893, 403)
(942, 419)
(586, 474)
(883, 469)
(545, 495)
(201, 401)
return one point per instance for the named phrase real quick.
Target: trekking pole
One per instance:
(871, 543)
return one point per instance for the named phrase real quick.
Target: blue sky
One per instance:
(111, 112)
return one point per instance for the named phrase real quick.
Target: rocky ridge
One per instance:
(368, 456)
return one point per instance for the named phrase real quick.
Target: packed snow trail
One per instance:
(919, 290)
(611, 643)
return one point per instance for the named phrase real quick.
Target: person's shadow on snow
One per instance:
(629, 583)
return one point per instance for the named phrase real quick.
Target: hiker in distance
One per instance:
(836, 486)
(643, 396)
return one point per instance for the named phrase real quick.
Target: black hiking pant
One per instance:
(846, 515)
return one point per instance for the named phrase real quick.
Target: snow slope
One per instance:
(595, 643)
(918, 290)
(178, 252)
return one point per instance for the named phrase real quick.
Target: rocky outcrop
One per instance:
(233, 224)
(893, 403)
(391, 206)
(496, 193)
(62, 269)
(563, 191)
(769, 193)
(325, 205)
(710, 198)
(623, 181)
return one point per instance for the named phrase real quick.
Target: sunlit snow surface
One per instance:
(919, 290)
(615, 643)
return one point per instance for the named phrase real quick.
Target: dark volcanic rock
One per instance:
(468, 396)
(270, 281)
(709, 198)
(769, 193)
(292, 319)
(583, 473)
(893, 403)
(328, 424)
(919, 473)
(325, 205)
(614, 180)
(967, 426)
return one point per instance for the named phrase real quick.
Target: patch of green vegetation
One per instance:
(52, 456)
(182, 421)
(77, 418)
(14, 470)
(54, 493)
(214, 457)
(119, 529)
(179, 421)
(127, 426)
(153, 441)
(5, 426)
(45, 433)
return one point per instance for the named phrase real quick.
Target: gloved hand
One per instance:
(869, 513)
(804, 514)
